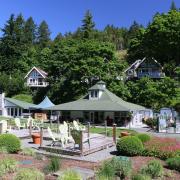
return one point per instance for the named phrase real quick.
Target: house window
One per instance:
(120, 117)
(86, 115)
(9, 111)
(15, 111)
(94, 94)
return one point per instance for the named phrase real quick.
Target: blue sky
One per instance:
(66, 15)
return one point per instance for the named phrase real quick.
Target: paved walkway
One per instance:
(151, 132)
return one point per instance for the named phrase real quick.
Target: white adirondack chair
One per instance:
(18, 123)
(77, 127)
(63, 130)
(4, 127)
(34, 125)
(55, 139)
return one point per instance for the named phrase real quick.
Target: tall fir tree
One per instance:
(43, 34)
(173, 6)
(58, 38)
(30, 31)
(19, 29)
(88, 25)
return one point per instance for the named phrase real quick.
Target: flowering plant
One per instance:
(162, 148)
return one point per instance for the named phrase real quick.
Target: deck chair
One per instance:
(55, 139)
(4, 127)
(34, 125)
(63, 130)
(78, 127)
(76, 135)
(18, 123)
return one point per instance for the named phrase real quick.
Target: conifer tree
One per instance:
(173, 6)
(88, 24)
(30, 31)
(19, 29)
(43, 34)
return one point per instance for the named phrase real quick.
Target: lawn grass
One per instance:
(100, 130)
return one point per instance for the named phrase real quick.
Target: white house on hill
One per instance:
(148, 67)
(36, 77)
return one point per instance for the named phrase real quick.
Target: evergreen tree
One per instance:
(8, 38)
(30, 31)
(43, 34)
(134, 28)
(59, 37)
(173, 6)
(19, 29)
(88, 25)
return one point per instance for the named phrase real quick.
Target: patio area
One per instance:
(97, 142)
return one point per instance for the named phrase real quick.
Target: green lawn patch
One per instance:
(99, 130)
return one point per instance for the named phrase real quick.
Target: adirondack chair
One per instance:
(55, 139)
(34, 125)
(76, 135)
(18, 123)
(4, 127)
(78, 127)
(63, 129)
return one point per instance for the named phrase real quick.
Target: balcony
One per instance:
(155, 75)
(37, 84)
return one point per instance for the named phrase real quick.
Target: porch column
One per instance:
(13, 112)
(17, 112)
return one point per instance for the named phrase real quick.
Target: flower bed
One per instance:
(162, 148)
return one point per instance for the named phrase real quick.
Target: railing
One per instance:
(37, 84)
(150, 74)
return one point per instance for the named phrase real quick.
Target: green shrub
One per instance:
(31, 174)
(3, 150)
(53, 166)
(141, 177)
(122, 167)
(130, 145)
(70, 175)
(28, 152)
(144, 137)
(153, 169)
(106, 170)
(7, 165)
(151, 122)
(174, 163)
(10, 142)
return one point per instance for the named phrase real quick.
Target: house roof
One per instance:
(21, 104)
(40, 71)
(107, 102)
(138, 62)
(44, 104)
(98, 86)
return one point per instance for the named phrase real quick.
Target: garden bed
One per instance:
(40, 164)
(137, 163)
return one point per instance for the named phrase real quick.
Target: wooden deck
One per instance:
(97, 142)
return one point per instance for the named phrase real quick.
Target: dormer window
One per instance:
(94, 94)
(96, 91)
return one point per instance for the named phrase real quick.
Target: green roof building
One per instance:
(100, 104)
(14, 108)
